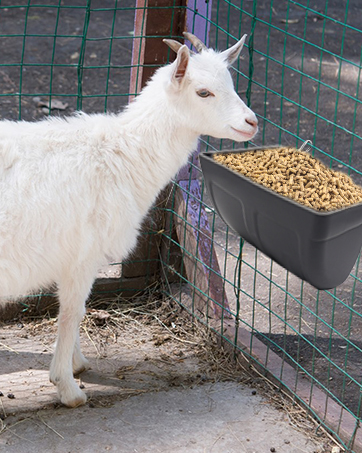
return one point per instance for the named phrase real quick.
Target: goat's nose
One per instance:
(252, 121)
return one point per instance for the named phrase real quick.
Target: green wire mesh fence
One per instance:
(301, 74)
(78, 52)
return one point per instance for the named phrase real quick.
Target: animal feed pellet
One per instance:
(297, 175)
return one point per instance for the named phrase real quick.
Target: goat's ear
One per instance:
(181, 63)
(233, 53)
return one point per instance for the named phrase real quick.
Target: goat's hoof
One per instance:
(74, 399)
(81, 370)
(80, 365)
(53, 381)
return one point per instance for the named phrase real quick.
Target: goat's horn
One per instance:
(175, 45)
(172, 44)
(195, 41)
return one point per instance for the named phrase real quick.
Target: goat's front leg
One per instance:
(72, 296)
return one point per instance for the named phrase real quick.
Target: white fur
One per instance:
(73, 192)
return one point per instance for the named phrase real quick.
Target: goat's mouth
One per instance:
(246, 135)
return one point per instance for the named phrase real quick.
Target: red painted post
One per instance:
(154, 21)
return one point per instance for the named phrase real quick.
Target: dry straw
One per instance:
(297, 175)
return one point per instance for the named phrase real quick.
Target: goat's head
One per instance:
(205, 91)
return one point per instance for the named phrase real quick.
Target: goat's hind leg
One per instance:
(72, 296)
(80, 363)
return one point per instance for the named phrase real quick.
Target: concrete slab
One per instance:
(151, 389)
(214, 418)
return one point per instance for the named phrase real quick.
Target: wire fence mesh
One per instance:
(301, 74)
(77, 52)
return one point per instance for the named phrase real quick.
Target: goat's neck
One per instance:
(166, 140)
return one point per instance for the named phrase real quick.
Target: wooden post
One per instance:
(199, 257)
(154, 21)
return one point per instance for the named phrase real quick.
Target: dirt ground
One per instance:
(309, 75)
(72, 70)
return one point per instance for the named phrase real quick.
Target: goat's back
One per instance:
(66, 200)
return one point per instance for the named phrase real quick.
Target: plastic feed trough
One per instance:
(319, 247)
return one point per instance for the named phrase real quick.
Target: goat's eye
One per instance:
(204, 93)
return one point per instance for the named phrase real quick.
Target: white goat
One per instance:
(74, 191)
